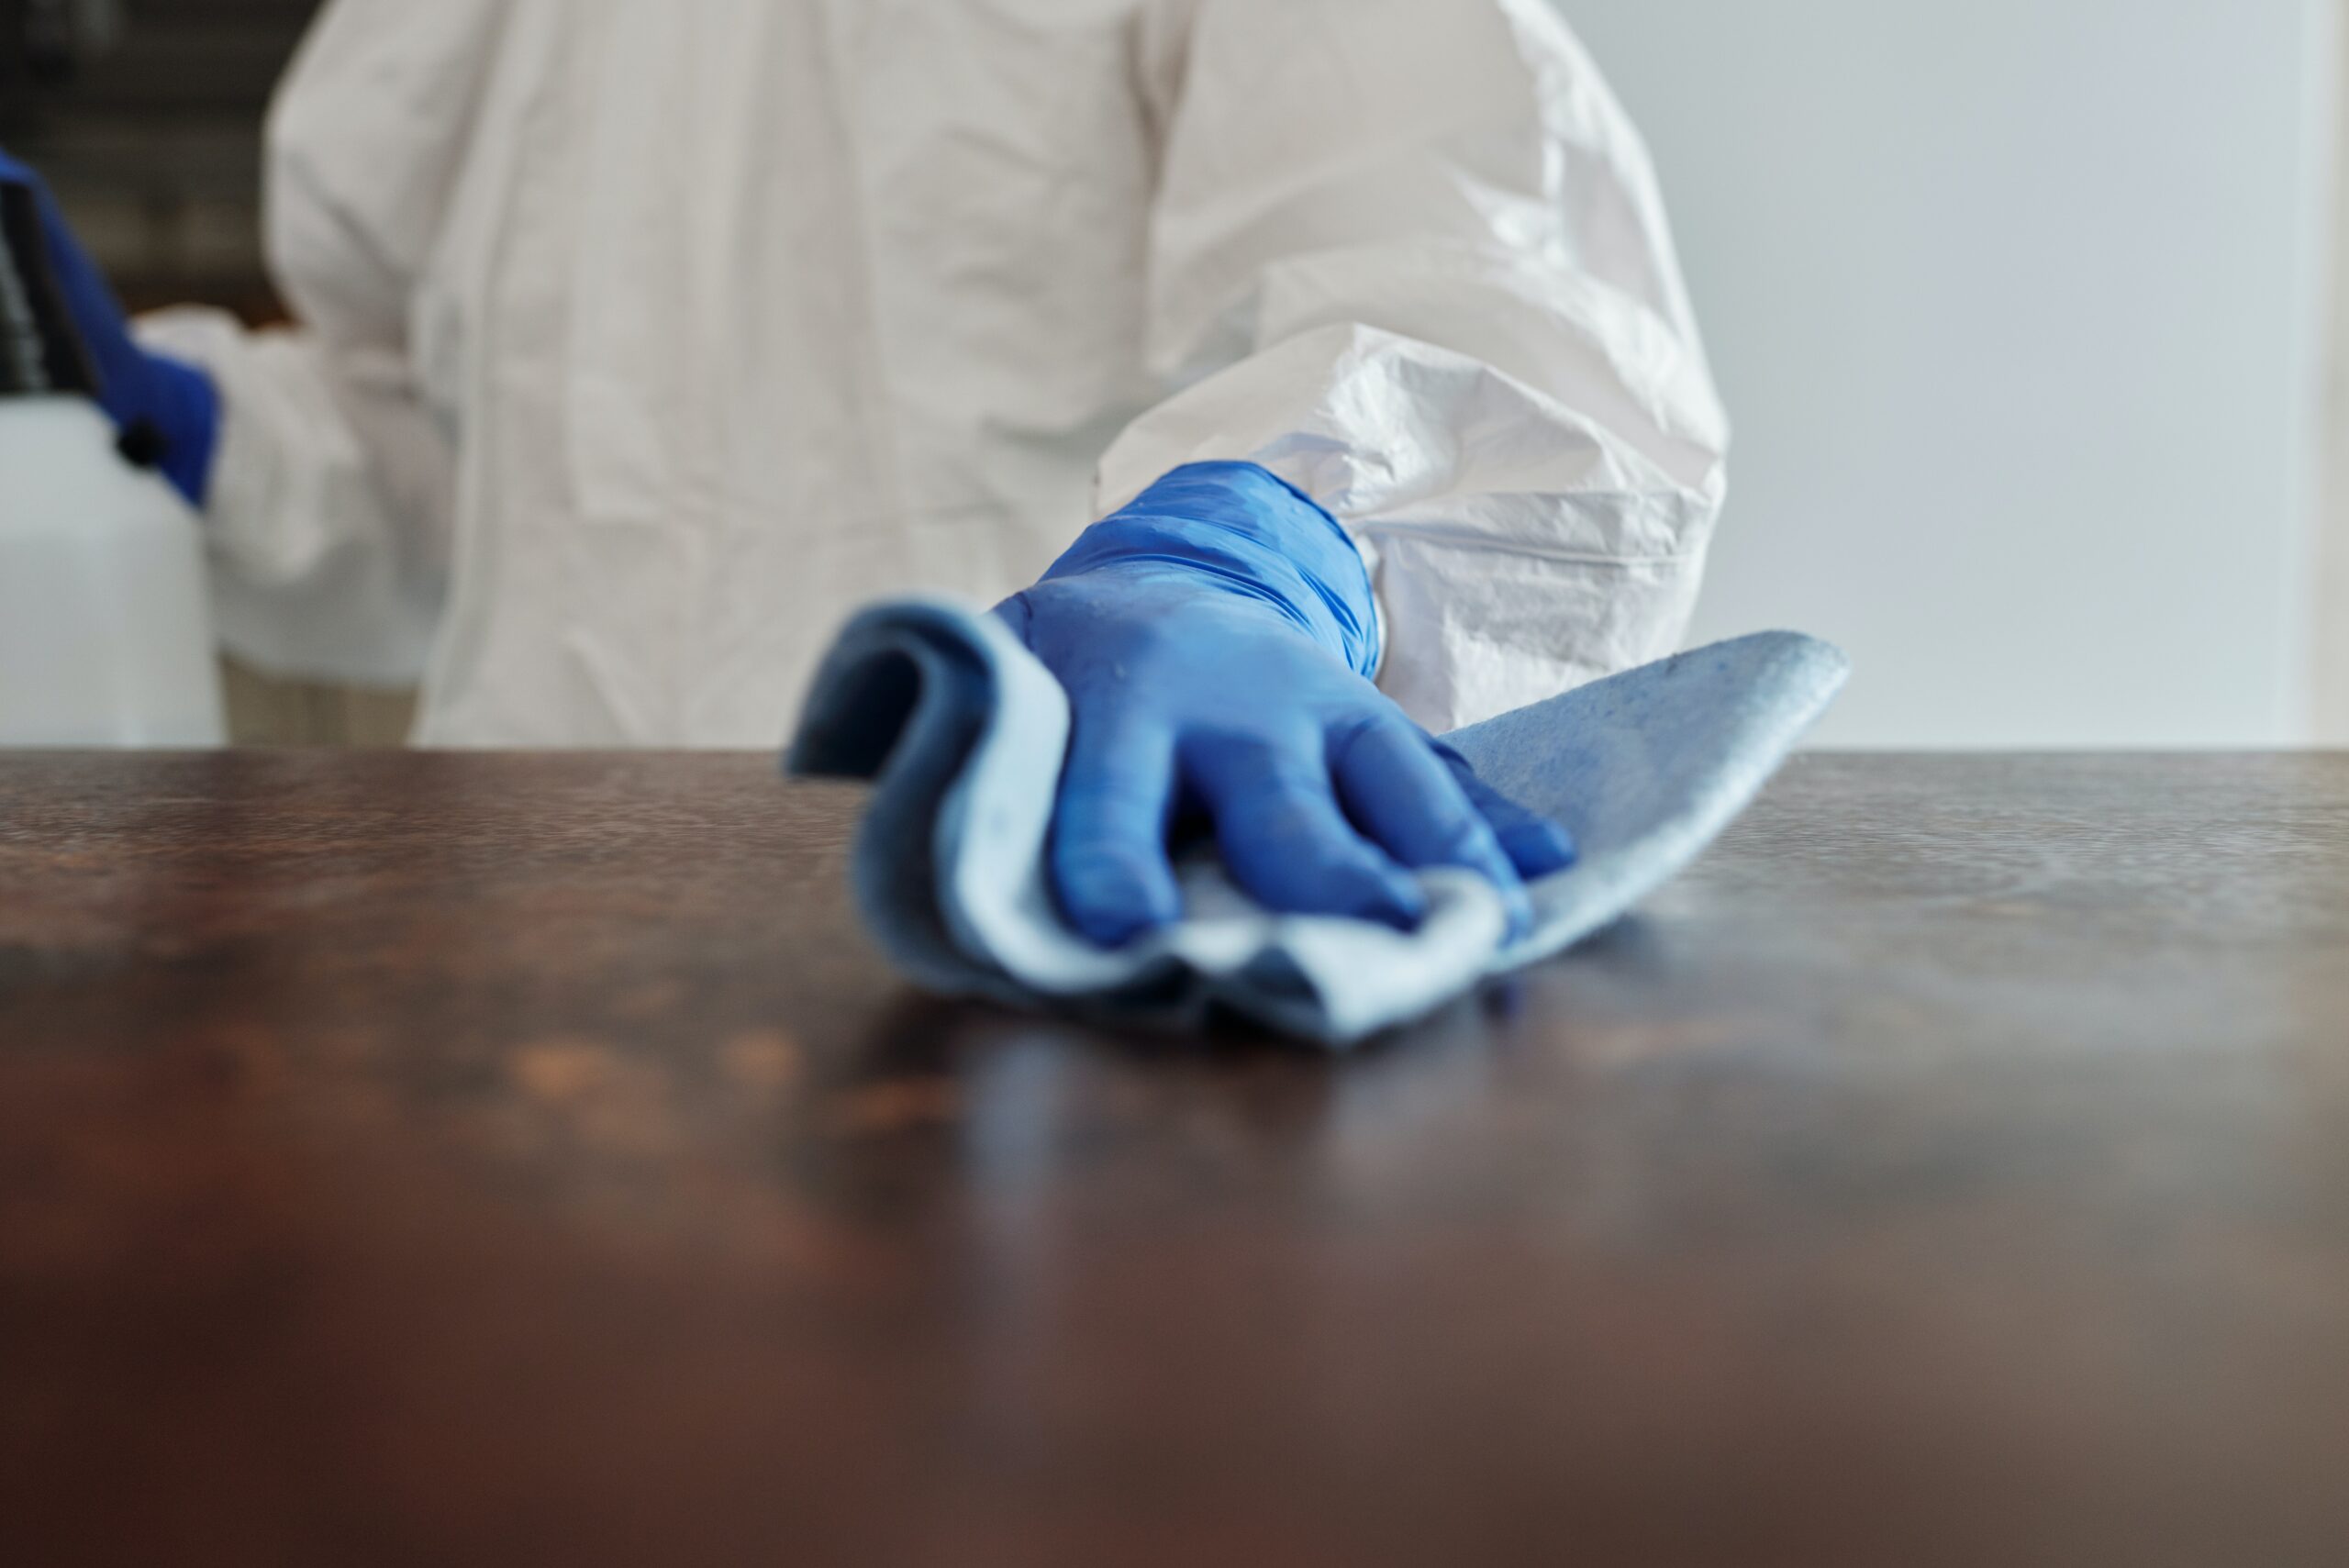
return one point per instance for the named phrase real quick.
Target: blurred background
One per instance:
(2024, 308)
(146, 116)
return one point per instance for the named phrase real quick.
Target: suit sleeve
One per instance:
(1411, 255)
(333, 488)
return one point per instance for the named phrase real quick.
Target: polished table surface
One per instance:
(455, 1160)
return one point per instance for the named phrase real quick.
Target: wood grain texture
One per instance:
(422, 1159)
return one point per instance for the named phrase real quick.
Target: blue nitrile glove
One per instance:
(168, 412)
(1216, 640)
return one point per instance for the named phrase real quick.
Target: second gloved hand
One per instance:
(1216, 640)
(168, 412)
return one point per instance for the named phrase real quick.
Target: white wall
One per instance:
(2333, 572)
(2017, 305)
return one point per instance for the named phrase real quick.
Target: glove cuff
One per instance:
(1255, 534)
(169, 414)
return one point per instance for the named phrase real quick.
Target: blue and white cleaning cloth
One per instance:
(965, 733)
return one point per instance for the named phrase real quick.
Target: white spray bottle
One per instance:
(105, 625)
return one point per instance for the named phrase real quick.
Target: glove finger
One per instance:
(1109, 854)
(1285, 840)
(1535, 845)
(1409, 801)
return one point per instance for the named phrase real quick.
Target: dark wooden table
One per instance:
(450, 1160)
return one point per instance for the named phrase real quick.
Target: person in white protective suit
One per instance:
(639, 342)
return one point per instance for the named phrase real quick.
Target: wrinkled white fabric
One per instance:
(643, 340)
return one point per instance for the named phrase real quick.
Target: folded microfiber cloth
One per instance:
(966, 732)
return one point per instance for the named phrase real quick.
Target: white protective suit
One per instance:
(643, 340)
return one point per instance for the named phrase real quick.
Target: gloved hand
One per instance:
(1216, 640)
(168, 412)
